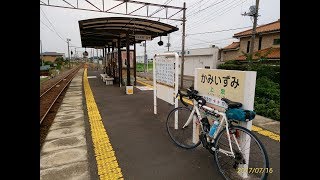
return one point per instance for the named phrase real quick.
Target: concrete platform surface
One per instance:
(64, 153)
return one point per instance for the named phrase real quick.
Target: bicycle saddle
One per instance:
(232, 104)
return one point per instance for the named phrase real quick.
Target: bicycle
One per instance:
(234, 156)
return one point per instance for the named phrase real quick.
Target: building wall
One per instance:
(140, 59)
(193, 62)
(50, 58)
(230, 55)
(199, 58)
(267, 41)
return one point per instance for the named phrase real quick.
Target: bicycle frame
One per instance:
(222, 122)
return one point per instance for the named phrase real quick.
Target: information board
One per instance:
(165, 79)
(165, 70)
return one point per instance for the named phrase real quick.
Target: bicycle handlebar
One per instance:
(191, 94)
(181, 98)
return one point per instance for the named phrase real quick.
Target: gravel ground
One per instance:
(48, 83)
(46, 123)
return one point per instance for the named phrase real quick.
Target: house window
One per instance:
(276, 41)
(260, 41)
(248, 46)
(207, 67)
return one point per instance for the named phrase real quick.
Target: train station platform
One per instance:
(121, 138)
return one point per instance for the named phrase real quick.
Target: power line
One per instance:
(218, 13)
(51, 24)
(52, 30)
(209, 32)
(46, 26)
(205, 17)
(202, 10)
(207, 12)
(208, 42)
(195, 8)
(209, 16)
(217, 40)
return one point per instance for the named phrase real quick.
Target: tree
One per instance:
(248, 56)
(48, 63)
(59, 60)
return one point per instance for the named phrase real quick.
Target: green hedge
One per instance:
(271, 71)
(267, 94)
(140, 67)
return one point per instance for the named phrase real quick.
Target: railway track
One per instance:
(49, 96)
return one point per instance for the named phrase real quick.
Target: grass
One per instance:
(43, 79)
(140, 67)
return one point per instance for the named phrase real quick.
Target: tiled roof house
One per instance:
(267, 43)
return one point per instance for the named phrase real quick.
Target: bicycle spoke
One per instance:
(257, 158)
(181, 136)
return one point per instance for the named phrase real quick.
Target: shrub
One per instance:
(267, 93)
(271, 71)
(48, 63)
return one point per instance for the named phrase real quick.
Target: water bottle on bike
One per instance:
(213, 128)
(214, 125)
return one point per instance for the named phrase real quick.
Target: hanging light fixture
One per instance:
(160, 43)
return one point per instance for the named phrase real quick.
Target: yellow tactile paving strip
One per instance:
(254, 128)
(107, 164)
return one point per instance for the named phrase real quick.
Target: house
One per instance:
(266, 45)
(199, 58)
(51, 56)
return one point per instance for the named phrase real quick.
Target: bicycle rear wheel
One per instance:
(256, 167)
(181, 136)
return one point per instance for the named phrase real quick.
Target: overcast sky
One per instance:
(202, 16)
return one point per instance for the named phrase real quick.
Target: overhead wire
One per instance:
(52, 30)
(224, 30)
(50, 23)
(195, 8)
(218, 13)
(203, 10)
(223, 6)
(223, 12)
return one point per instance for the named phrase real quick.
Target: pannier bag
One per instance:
(240, 114)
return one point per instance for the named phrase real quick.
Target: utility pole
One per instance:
(68, 51)
(145, 57)
(254, 13)
(168, 44)
(183, 42)
(41, 53)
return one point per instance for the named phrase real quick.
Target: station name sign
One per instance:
(142, 37)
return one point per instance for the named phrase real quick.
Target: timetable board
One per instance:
(165, 70)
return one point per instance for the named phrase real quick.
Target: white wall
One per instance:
(199, 58)
(140, 59)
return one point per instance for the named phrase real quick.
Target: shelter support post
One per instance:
(128, 58)
(119, 61)
(134, 62)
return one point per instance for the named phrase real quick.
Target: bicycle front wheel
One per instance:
(250, 161)
(181, 136)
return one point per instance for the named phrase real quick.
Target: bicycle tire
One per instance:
(184, 141)
(260, 146)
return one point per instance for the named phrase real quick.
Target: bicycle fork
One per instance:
(231, 152)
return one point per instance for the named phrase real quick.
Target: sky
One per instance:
(58, 24)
